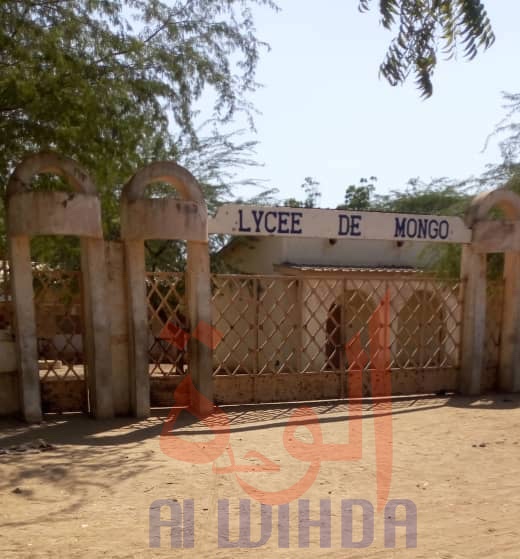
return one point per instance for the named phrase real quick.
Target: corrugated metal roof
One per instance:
(346, 269)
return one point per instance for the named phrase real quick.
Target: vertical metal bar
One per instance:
(422, 323)
(256, 291)
(299, 326)
(342, 337)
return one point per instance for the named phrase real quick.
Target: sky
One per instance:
(325, 112)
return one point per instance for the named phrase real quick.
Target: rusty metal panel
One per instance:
(273, 327)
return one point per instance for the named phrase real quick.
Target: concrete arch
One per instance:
(501, 198)
(31, 213)
(491, 236)
(50, 163)
(164, 171)
(167, 218)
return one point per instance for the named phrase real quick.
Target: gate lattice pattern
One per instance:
(168, 324)
(59, 324)
(280, 324)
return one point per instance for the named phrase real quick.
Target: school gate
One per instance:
(115, 339)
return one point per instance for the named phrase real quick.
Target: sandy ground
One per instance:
(457, 459)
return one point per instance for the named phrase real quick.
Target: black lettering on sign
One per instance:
(295, 223)
(284, 223)
(399, 227)
(268, 228)
(421, 228)
(348, 225)
(241, 226)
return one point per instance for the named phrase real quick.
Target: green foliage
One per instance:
(440, 196)
(114, 84)
(310, 187)
(423, 28)
(358, 197)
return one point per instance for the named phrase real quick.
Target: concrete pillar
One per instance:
(200, 351)
(97, 328)
(25, 328)
(168, 218)
(119, 322)
(138, 328)
(473, 275)
(509, 372)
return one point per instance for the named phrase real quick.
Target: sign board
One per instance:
(234, 219)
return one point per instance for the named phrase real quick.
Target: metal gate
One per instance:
(168, 334)
(60, 340)
(282, 338)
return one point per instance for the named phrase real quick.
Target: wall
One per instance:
(261, 255)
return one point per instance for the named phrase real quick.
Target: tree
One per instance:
(358, 197)
(441, 196)
(312, 195)
(115, 84)
(424, 28)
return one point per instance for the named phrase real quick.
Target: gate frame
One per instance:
(32, 213)
(167, 219)
(501, 236)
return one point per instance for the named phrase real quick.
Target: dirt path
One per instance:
(456, 459)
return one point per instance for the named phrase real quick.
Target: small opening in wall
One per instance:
(333, 241)
(399, 243)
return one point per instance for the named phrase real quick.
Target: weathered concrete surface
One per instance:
(25, 328)
(164, 171)
(97, 328)
(55, 213)
(200, 351)
(509, 372)
(137, 328)
(492, 236)
(496, 236)
(165, 218)
(119, 338)
(473, 275)
(501, 198)
(30, 214)
(53, 163)
(156, 217)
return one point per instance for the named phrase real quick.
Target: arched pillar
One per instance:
(491, 236)
(31, 213)
(167, 218)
